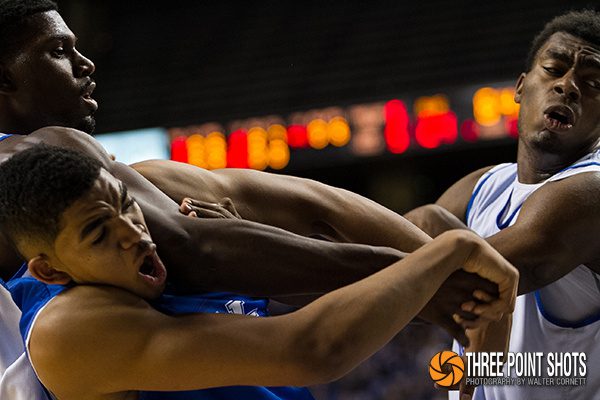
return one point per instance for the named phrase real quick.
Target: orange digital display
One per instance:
(364, 129)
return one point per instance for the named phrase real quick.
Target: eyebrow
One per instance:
(123, 190)
(62, 37)
(559, 55)
(589, 61)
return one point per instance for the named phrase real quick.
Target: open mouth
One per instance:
(559, 118)
(86, 94)
(152, 270)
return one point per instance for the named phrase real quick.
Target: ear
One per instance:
(7, 83)
(519, 87)
(40, 268)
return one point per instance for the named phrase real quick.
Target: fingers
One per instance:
(471, 282)
(489, 264)
(491, 311)
(202, 209)
(484, 296)
(228, 204)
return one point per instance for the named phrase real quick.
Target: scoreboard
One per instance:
(393, 126)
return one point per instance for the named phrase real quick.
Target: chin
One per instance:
(87, 125)
(548, 142)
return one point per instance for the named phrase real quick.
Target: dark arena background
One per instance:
(392, 100)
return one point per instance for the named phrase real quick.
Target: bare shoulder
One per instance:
(56, 136)
(456, 198)
(87, 303)
(76, 327)
(79, 309)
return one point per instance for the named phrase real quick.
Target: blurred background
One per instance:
(392, 100)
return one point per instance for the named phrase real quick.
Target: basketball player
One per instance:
(543, 213)
(89, 340)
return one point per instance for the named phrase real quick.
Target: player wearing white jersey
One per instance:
(543, 213)
(561, 317)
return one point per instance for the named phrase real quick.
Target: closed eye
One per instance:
(553, 71)
(127, 204)
(58, 52)
(101, 236)
(595, 84)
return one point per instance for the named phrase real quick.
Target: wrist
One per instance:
(460, 244)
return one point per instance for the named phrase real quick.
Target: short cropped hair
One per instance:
(583, 24)
(37, 185)
(13, 14)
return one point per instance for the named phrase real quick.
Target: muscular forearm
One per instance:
(298, 205)
(250, 258)
(380, 305)
(434, 220)
(357, 219)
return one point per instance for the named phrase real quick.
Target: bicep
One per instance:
(179, 180)
(556, 230)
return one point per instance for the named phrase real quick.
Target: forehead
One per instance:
(106, 191)
(44, 26)
(568, 45)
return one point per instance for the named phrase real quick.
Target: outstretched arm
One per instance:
(315, 344)
(302, 206)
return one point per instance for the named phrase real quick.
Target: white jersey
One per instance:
(17, 379)
(561, 317)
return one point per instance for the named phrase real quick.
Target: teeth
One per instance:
(556, 124)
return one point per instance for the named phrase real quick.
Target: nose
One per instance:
(129, 233)
(567, 86)
(83, 66)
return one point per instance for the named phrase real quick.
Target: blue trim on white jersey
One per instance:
(478, 188)
(4, 136)
(587, 164)
(561, 323)
(501, 225)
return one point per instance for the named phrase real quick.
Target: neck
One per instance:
(10, 260)
(10, 125)
(536, 165)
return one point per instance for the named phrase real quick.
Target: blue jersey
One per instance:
(32, 295)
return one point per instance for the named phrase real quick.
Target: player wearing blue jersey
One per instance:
(543, 213)
(89, 340)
